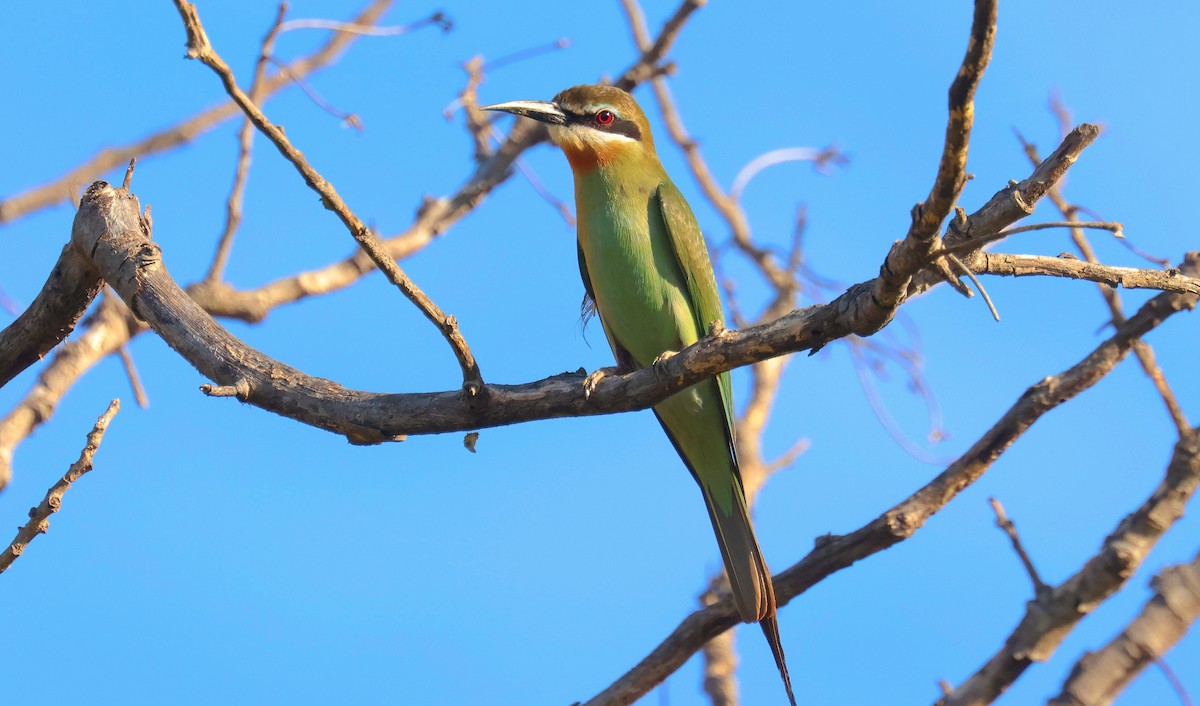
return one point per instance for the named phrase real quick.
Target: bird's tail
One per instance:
(749, 577)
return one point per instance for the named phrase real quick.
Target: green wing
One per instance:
(692, 255)
(587, 309)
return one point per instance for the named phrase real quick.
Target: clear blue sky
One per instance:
(219, 554)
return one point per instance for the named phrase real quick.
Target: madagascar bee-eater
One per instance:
(646, 268)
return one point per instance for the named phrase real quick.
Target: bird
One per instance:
(646, 270)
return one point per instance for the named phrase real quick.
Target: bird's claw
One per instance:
(590, 382)
(664, 357)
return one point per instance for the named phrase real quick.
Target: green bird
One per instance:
(645, 266)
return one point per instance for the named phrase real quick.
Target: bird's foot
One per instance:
(590, 382)
(656, 366)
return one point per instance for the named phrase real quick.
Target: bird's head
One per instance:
(594, 125)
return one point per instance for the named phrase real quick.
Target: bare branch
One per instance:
(200, 48)
(978, 285)
(62, 301)
(348, 119)
(1113, 227)
(113, 325)
(1004, 523)
(233, 205)
(1048, 620)
(1100, 676)
(1144, 352)
(646, 67)
(834, 553)
(105, 331)
(928, 215)
(1172, 280)
(131, 263)
(720, 655)
(437, 19)
(66, 187)
(135, 381)
(39, 517)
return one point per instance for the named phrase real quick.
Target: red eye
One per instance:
(605, 117)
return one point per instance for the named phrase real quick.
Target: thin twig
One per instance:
(348, 119)
(67, 187)
(1176, 685)
(438, 19)
(523, 54)
(978, 285)
(108, 328)
(1004, 523)
(233, 205)
(1012, 265)
(1113, 227)
(1143, 351)
(135, 381)
(200, 48)
(862, 371)
(821, 159)
(39, 517)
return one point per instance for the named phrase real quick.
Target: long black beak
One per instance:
(542, 111)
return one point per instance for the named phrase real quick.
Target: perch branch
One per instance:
(834, 553)
(113, 324)
(131, 262)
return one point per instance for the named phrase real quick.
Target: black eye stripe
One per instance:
(627, 128)
(619, 125)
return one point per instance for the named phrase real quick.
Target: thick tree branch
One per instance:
(911, 255)
(952, 168)
(132, 264)
(113, 325)
(1100, 676)
(105, 331)
(39, 517)
(1008, 205)
(59, 305)
(1049, 619)
(67, 186)
(834, 553)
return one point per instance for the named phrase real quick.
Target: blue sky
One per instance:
(219, 554)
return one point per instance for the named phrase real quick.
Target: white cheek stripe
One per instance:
(599, 136)
(581, 135)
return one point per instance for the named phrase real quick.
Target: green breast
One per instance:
(639, 290)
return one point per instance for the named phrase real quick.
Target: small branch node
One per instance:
(240, 390)
(129, 174)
